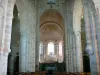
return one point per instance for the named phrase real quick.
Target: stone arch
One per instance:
(51, 18)
(8, 27)
(77, 15)
(51, 29)
(52, 15)
(25, 8)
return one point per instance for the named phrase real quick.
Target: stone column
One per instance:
(22, 52)
(68, 35)
(6, 14)
(3, 63)
(70, 50)
(56, 52)
(69, 54)
(27, 16)
(97, 24)
(98, 28)
(91, 37)
(57, 48)
(1, 26)
(77, 13)
(44, 50)
(74, 53)
(79, 52)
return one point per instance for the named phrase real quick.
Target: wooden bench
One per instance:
(31, 73)
(55, 73)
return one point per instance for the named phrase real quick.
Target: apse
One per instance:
(51, 37)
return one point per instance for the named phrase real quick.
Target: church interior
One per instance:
(49, 37)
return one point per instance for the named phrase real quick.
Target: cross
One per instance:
(51, 3)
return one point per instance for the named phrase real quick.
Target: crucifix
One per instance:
(51, 2)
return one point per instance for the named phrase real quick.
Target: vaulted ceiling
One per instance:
(51, 25)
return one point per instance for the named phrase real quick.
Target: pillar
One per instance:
(74, 53)
(45, 50)
(3, 63)
(22, 52)
(91, 39)
(56, 45)
(79, 52)
(69, 50)
(77, 14)
(6, 14)
(57, 48)
(98, 28)
(41, 52)
(27, 16)
(97, 23)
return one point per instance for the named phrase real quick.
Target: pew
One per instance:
(55, 73)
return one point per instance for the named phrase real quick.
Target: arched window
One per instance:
(50, 48)
(60, 48)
